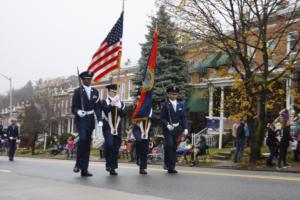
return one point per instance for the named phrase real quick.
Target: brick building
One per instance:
(208, 69)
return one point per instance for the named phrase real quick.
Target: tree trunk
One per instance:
(32, 148)
(33, 144)
(258, 127)
(255, 144)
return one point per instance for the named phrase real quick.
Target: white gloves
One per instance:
(117, 98)
(11, 138)
(100, 124)
(18, 140)
(170, 127)
(116, 101)
(81, 113)
(118, 104)
(185, 132)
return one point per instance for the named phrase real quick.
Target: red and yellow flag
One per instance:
(143, 109)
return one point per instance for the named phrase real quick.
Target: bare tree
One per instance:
(32, 124)
(252, 33)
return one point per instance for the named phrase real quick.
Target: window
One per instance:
(250, 51)
(292, 41)
(271, 55)
(251, 55)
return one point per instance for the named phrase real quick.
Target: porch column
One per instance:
(72, 125)
(289, 100)
(50, 129)
(69, 126)
(211, 101)
(221, 118)
(59, 128)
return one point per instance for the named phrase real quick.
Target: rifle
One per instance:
(80, 87)
(168, 108)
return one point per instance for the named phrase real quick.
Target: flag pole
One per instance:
(118, 79)
(147, 118)
(118, 89)
(146, 127)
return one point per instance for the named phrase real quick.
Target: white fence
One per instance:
(211, 140)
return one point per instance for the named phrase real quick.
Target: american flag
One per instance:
(108, 55)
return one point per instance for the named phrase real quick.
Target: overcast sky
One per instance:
(50, 38)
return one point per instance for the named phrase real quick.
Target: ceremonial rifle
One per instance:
(81, 92)
(167, 104)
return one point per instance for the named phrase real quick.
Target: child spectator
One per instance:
(201, 148)
(70, 147)
(54, 146)
(184, 148)
(123, 150)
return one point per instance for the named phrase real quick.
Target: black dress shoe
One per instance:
(113, 172)
(76, 169)
(107, 169)
(86, 173)
(172, 171)
(143, 171)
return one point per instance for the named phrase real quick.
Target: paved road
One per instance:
(35, 179)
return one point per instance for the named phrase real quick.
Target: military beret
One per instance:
(86, 74)
(173, 89)
(112, 87)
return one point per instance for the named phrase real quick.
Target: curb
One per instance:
(214, 167)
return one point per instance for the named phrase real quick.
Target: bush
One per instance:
(226, 140)
(25, 142)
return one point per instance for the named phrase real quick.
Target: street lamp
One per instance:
(10, 94)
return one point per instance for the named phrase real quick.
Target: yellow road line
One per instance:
(199, 172)
(264, 177)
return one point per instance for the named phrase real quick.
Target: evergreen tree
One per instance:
(170, 65)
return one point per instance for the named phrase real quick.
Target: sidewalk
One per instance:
(260, 166)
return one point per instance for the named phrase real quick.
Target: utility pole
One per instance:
(10, 94)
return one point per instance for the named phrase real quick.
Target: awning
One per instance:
(214, 60)
(211, 60)
(225, 59)
(198, 101)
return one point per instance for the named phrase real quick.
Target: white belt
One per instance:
(175, 125)
(90, 112)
